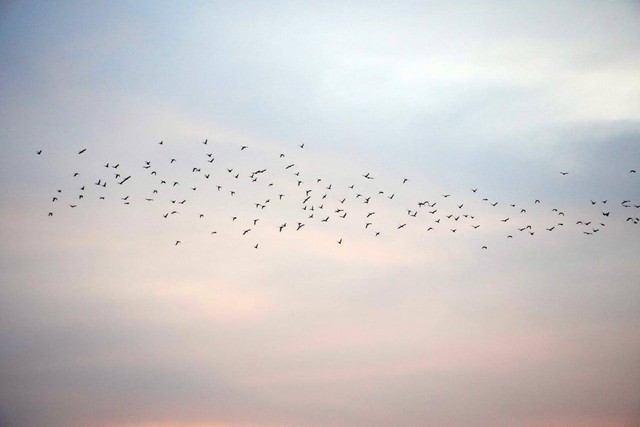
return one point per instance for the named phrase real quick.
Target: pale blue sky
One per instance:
(106, 323)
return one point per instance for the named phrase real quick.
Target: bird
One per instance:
(564, 173)
(404, 180)
(246, 231)
(401, 226)
(82, 151)
(340, 241)
(39, 152)
(124, 180)
(484, 247)
(302, 145)
(256, 246)
(300, 225)
(244, 147)
(177, 242)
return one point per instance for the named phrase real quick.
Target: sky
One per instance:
(106, 322)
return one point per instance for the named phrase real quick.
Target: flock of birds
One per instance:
(318, 201)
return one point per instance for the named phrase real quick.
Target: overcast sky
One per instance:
(105, 322)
